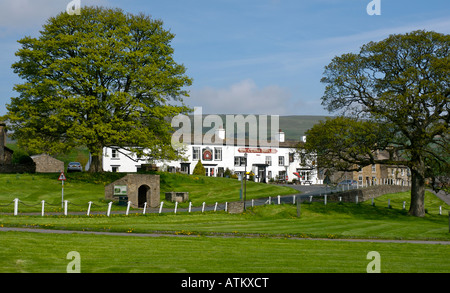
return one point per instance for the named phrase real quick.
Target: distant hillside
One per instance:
(295, 126)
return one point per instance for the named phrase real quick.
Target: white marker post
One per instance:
(65, 208)
(190, 206)
(215, 206)
(160, 207)
(62, 178)
(176, 205)
(109, 209)
(43, 207)
(89, 208)
(203, 207)
(16, 206)
(145, 207)
(128, 207)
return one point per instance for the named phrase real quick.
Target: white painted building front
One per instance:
(266, 163)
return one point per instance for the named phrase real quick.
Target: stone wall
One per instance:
(366, 193)
(177, 196)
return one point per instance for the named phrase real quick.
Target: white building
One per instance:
(266, 163)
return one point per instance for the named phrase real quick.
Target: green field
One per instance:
(80, 188)
(264, 239)
(46, 253)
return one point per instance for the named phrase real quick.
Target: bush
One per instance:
(199, 169)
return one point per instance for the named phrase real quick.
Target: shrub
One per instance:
(199, 169)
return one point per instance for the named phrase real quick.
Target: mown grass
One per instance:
(46, 253)
(334, 220)
(80, 188)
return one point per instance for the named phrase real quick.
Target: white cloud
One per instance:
(243, 97)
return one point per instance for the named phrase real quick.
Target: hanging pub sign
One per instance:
(207, 154)
(257, 151)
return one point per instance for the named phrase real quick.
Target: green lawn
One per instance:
(268, 237)
(334, 220)
(80, 188)
(46, 253)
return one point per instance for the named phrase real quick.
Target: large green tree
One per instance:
(98, 79)
(392, 97)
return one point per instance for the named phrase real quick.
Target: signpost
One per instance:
(62, 178)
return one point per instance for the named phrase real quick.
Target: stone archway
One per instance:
(143, 195)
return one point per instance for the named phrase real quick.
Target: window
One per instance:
(195, 153)
(217, 154)
(280, 160)
(239, 161)
(114, 154)
(291, 157)
(374, 168)
(269, 160)
(115, 169)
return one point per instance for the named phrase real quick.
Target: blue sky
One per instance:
(245, 56)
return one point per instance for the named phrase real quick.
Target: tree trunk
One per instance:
(417, 207)
(96, 165)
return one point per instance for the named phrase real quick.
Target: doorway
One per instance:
(143, 194)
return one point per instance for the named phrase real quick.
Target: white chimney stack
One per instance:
(280, 136)
(220, 133)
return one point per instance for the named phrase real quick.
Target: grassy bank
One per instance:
(80, 188)
(334, 220)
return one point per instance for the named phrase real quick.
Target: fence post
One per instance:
(160, 207)
(43, 207)
(356, 199)
(128, 207)
(226, 206)
(404, 204)
(16, 206)
(109, 208)
(215, 206)
(65, 208)
(203, 207)
(310, 198)
(190, 206)
(440, 210)
(145, 208)
(89, 208)
(278, 199)
(176, 205)
(293, 199)
(325, 199)
(253, 202)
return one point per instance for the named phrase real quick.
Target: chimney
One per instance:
(220, 133)
(280, 135)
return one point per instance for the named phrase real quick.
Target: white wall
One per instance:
(121, 163)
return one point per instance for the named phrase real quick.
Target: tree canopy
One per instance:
(393, 96)
(101, 78)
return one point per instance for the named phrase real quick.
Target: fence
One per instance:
(294, 199)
